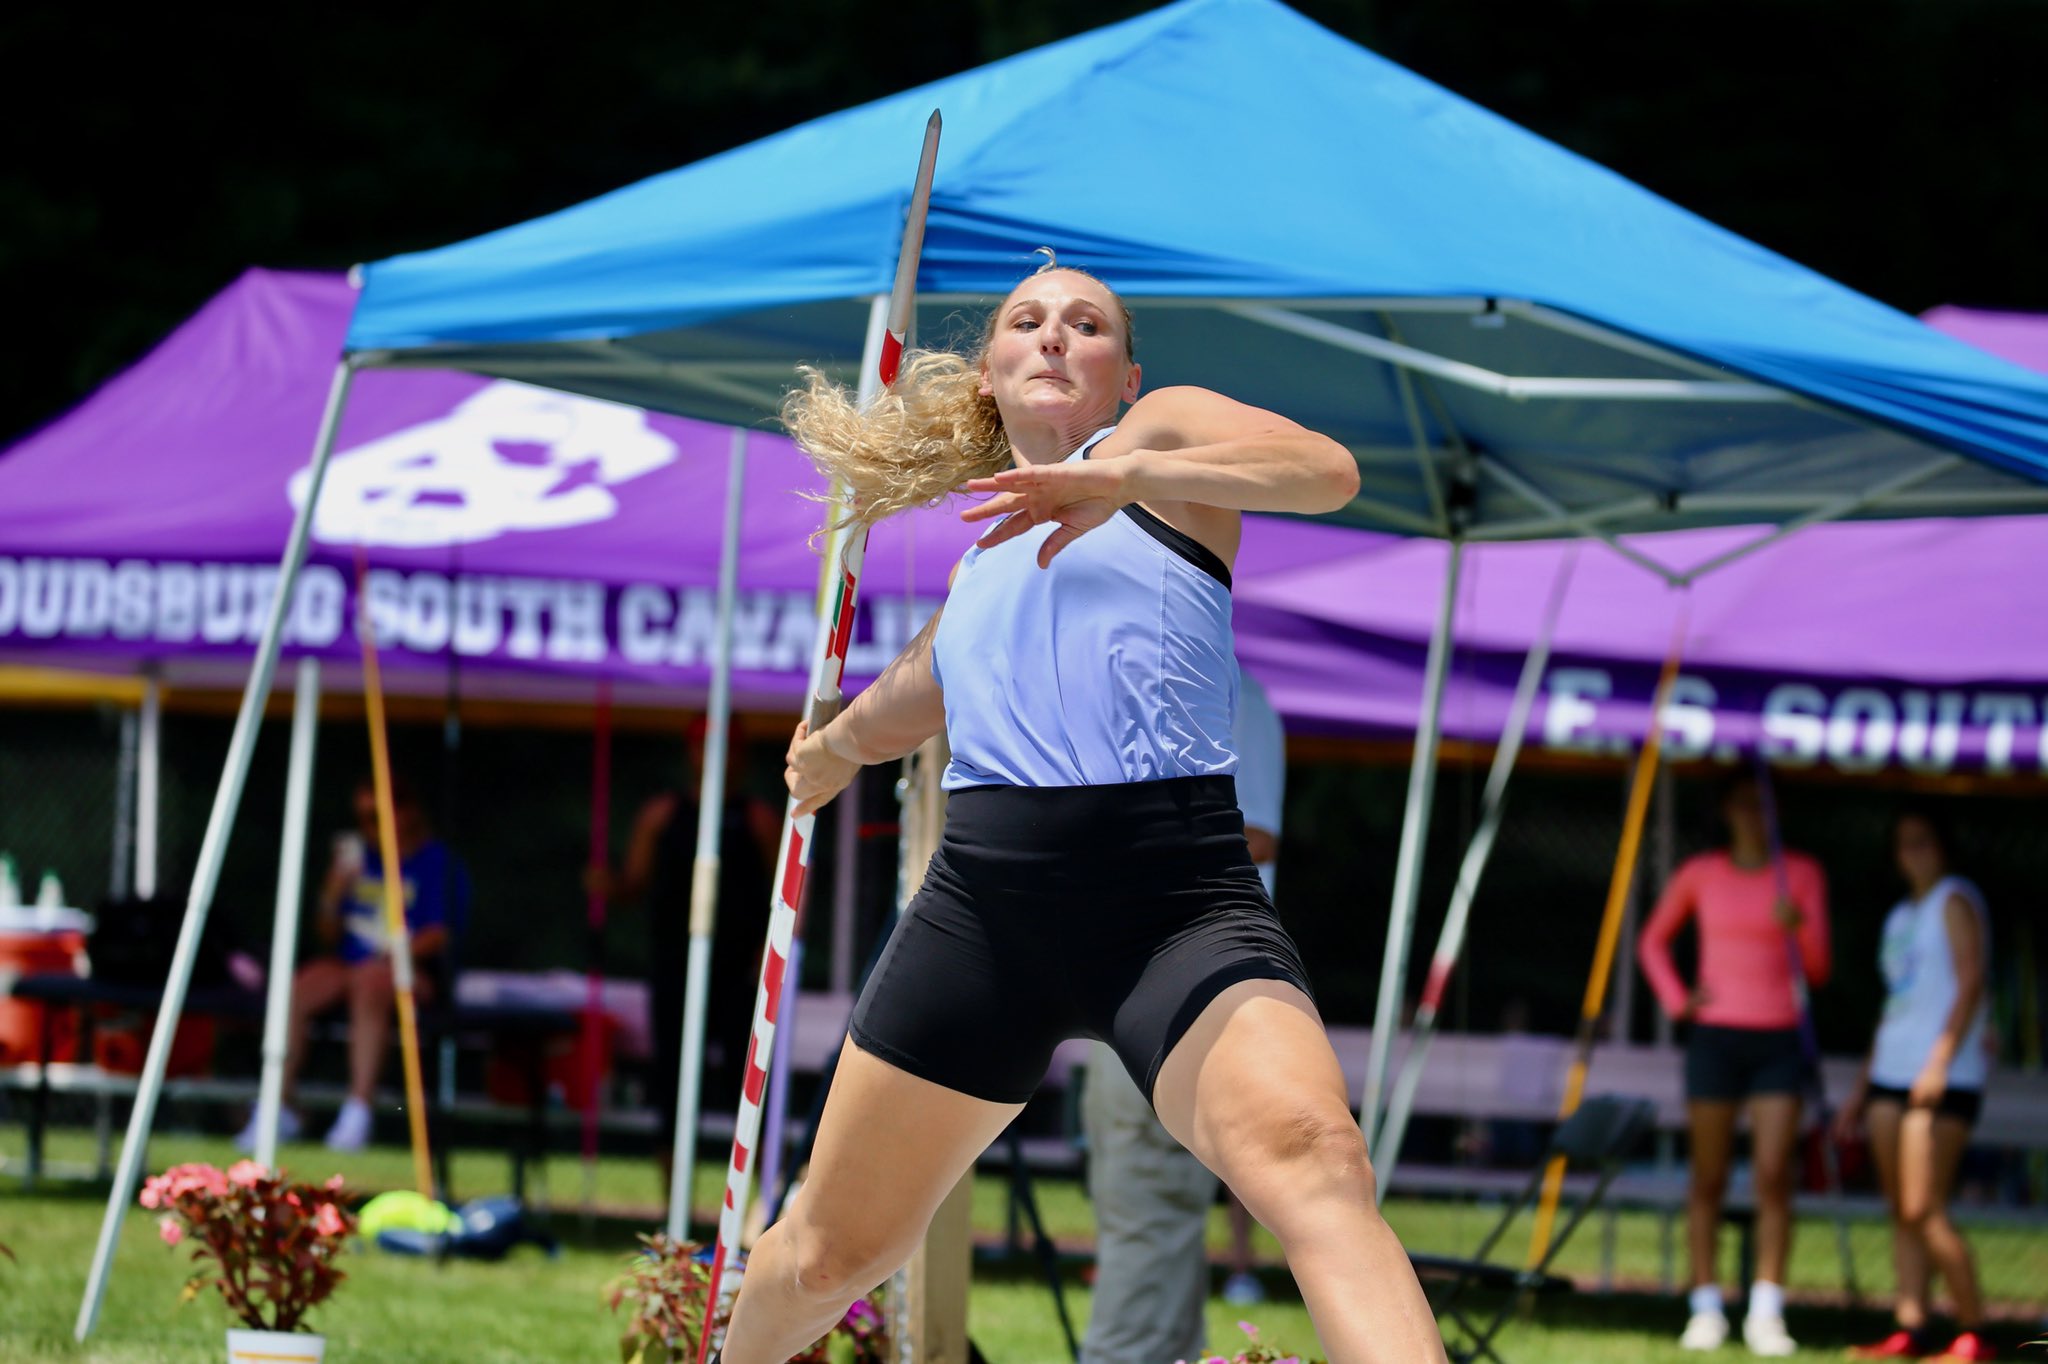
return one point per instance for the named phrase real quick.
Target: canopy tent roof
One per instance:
(1514, 341)
(183, 466)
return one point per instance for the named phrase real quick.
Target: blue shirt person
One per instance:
(357, 969)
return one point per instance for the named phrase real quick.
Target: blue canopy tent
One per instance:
(1513, 341)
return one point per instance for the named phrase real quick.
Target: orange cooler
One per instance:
(35, 942)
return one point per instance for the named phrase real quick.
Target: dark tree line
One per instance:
(1898, 145)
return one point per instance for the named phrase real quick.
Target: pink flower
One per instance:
(169, 1229)
(246, 1173)
(328, 1221)
(180, 1180)
(153, 1192)
(1248, 1329)
(334, 1183)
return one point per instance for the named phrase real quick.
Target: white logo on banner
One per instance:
(511, 457)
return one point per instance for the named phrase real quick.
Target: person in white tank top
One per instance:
(1920, 1091)
(1246, 1079)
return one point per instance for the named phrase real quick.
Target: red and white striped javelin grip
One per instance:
(845, 548)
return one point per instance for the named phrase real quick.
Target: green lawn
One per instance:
(533, 1308)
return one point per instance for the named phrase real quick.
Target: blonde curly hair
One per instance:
(921, 439)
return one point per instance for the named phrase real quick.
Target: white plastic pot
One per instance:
(275, 1347)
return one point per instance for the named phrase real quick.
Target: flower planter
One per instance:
(275, 1347)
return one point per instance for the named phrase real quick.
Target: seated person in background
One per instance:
(357, 967)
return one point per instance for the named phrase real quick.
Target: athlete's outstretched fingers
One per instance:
(890, 1147)
(1009, 528)
(1000, 505)
(1254, 1090)
(1057, 541)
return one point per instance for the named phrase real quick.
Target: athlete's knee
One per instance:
(1306, 1151)
(1773, 1181)
(1920, 1215)
(1708, 1184)
(839, 1264)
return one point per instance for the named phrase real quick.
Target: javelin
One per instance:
(846, 547)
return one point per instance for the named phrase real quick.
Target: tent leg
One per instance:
(1414, 836)
(704, 872)
(149, 757)
(206, 875)
(284, 932)
(1386, 1146)
(121, 865)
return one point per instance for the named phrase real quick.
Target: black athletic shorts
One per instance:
(1955, 1103)
(1734, 1063)
(1113, 912)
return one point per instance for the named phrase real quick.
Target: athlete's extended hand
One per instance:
(1080, 496)
(813, 771)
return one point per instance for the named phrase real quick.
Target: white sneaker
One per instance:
(289, 1128)
(351, 1130)
(1243, 1290)
(1705, 1331)
(1766, 1335)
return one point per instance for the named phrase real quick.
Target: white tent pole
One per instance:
(120, 872)
(704, 870)
(1414, 835)
(212, 852)
(148, 784)
(284, 931)
(1386, 1143)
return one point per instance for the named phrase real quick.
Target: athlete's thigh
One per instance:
(321, 984)
(1932, 1145)
(1921, 1187)
(1881, 1120)
(1257, 1057)
(890, 1147)
(1711, 1125)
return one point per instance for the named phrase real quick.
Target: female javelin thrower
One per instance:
(1092, 878)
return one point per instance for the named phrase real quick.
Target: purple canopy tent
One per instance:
(531, 534)
(1857, 647)
(2019, 337)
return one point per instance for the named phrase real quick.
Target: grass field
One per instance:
(533, 1308)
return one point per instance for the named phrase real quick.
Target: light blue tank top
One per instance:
(1113, 665)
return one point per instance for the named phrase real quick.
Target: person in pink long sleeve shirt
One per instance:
(1744, 1045)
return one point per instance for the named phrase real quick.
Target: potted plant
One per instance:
(264, 1242)
(666, 1288)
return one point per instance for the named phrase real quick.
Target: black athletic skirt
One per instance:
(1966, 1104)
(1113, 912)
